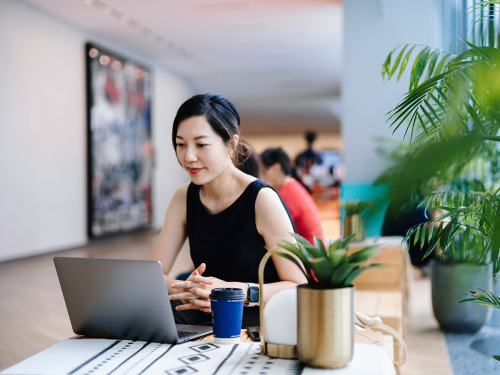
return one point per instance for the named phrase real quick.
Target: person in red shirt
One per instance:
(276, 171)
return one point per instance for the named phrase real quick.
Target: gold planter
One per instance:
(325, 317)
(354, 224)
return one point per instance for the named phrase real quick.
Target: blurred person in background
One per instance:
(251, 166)
(305, 161)
(276, 170)
(230, 217)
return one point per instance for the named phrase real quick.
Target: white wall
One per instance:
(371, 30)
(42, 133)
(169, 94)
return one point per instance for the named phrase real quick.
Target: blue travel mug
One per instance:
(227, 314)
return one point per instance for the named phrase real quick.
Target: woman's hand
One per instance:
(196, 290)
(180, 290)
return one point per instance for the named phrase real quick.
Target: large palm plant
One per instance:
(451, 113)
(450, 118)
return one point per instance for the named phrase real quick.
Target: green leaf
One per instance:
(479, 50)
(422, 124)
(465, 55)
(429, 117)
(494, 298)
(396, 63)
(334, 246)
(294, 250)
(415, 239)
(434, 241)
(433, 57)
(431, 108)
(347, 241)
(306, 247)
(365, 254)
(322, 270)
(340, 274)
(352, 276)
(497, 357)
(320, 245)
(386, 66)
(446, 232)
(405, 62)
(338, 257)
(495, 238)
(300, 239)
(479, 242)
(466, 238)
(418, 67)
(441, 64)
(422, 238)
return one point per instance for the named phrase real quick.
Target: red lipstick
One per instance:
(195, 170)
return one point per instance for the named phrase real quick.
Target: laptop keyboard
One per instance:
(185, 335)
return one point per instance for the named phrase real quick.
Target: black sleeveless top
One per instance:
(228, 242)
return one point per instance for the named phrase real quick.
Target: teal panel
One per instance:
(379, 193)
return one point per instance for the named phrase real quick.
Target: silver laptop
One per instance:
(121, 299)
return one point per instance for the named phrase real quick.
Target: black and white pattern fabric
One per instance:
(125, 357)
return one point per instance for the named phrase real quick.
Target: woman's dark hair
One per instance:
(251, 165)
(276, 155)
(220, 113)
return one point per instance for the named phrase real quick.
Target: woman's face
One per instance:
(201, 151)
(272, 175)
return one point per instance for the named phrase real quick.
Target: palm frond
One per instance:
(452, 93)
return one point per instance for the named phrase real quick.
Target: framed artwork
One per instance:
(120, 152)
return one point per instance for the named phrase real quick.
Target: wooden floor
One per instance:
(427, 352)
(33, 315)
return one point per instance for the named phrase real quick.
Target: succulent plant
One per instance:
(356, 207)
(332, 268)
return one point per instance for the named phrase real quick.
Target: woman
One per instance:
(229, 216)
(276, 170)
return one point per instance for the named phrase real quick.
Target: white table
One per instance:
(103, 356)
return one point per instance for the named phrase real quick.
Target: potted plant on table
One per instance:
(325, 305)
(353, 220)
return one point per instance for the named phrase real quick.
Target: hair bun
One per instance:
(243, 152)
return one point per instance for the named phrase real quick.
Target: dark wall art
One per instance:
(120, 152)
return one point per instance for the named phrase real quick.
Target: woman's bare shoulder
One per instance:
(180, 195)
(267, 199)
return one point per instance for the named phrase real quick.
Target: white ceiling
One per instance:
(272, 57)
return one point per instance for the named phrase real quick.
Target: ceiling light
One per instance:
(138, 74)
(128, 69)
(93, 53)
(107, 10)
(158, 38)
(104, 60)
(116, 65)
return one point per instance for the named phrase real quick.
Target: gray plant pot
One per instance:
(450, 283)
